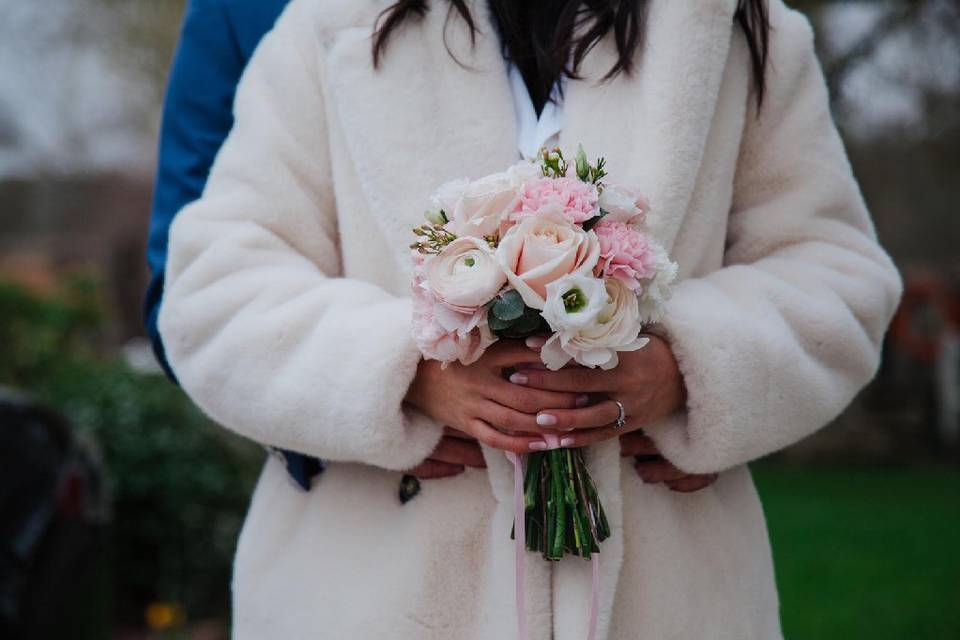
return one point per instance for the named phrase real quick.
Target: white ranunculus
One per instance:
(574, 302)
(616, 328)
(544, 248)
(623, 204)
(465, 275)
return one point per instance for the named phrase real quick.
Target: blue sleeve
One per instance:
(197, 117)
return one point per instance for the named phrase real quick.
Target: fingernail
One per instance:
(565, 428)
(518, 378)
(546, 420)
(535, 342)
(566, 442)
(538, 446)
(582, 400)
(551, 441)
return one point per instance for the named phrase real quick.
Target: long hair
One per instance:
(539, 38)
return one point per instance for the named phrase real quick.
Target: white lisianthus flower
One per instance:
(574, 302)
(623, 204)
(542, 249)
(465, 275)
(616, 327)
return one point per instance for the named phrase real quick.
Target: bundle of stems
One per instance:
(563, 512)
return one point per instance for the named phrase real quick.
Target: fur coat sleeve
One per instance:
(777, 342)
(260, 330)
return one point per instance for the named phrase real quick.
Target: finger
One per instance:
(602, 414)
(432, 469)
(459, 453)
(587, 437)
(636, 443)
(456, 433)
(532, 400)
(658, 471)
(508, 353)
(503, 441)
(573, 380)
(512, 420)
(691, 484)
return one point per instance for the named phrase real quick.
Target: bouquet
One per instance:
(543, 248)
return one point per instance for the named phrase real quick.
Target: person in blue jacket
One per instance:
(216, 43)
(217, 40)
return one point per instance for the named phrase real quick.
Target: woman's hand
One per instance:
(653, 468)
(647, 382)
(455, 452)
(478, 400)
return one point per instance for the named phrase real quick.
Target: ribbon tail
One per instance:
(594, 596)
(520, 539)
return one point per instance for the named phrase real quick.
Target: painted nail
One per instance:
(566, 442)
(565, 428)
(582, 400)
(546, 420)
(518, 378)
(553, 441)
(535, 342)
(538, 446)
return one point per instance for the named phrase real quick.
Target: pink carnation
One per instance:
(444, 334)
(575, 199)
(625, 253)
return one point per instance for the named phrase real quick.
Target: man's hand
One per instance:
(453, 455)
(653, 468)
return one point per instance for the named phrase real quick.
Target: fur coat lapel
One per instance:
(454, 113)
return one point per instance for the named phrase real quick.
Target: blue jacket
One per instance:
(217, 40)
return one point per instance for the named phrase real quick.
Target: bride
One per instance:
(286, 315)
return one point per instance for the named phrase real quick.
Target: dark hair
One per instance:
(541, 43)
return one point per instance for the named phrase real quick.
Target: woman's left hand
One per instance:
(647, 382)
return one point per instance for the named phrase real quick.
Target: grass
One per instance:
(865, 553)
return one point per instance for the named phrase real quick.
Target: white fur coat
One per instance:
(286, 318)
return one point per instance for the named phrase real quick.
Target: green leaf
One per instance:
(508, 306)
(495, 323)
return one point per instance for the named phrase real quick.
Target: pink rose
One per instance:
(626, 254)
(570, 197)
(543, 248)
(444, 334)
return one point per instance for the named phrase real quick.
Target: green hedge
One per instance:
(179, 485)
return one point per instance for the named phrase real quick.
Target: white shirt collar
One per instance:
(534, 133)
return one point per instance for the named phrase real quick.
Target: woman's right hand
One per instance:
(478, 400)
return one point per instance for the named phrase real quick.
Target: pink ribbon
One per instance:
(520, 538)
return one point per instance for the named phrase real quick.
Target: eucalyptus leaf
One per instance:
(508, 306)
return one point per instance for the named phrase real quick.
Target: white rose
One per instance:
(465, 275)
(525, 171)
(447, 196)
(616, 328)
(482, 204)
(623, 204)
(544, 248)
